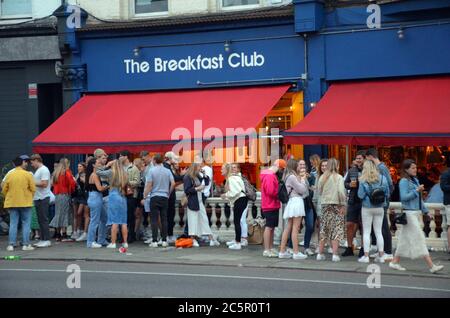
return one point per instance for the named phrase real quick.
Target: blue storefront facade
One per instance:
(308, 44)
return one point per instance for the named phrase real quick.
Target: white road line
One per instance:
(226, 277)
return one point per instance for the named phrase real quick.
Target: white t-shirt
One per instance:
(209, 172)
(42, 174)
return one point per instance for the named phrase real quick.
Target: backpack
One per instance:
(250, 190)
(283, 194)
(377, 195)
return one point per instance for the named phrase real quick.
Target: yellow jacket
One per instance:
(19, 188)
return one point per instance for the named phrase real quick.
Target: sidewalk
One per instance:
(251, 256)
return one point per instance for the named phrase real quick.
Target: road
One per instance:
(108, 279)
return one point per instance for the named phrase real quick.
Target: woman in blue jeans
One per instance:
(95, 200)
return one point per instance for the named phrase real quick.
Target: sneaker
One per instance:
(153, 244)
(112, 245)
(309, 252)
(436, 268)
(364, 259)
(290, 251)
(27, 248)
(388, 257)
(195, 243)
(125, 245)
(43, 244)
(273, 253)
(10, 248)
(396, 266)
(302, 243)
(284, 255)
(75, 235)
(229, 243)
(244, 242)
(82, 237)
(320, 257)
(165, 244)
(330, 250)
(171, 239)
(149, 241)
(95, 245)
(348, 252)
(266, 253)
(335, 258)
(160, 242)
(380, 259)
(236, 246)
(217, 243)
(299, 255)
(65, 238)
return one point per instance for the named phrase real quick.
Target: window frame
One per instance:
(240, 7)
(16, 16)
(135, 15)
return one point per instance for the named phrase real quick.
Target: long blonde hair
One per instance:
(291, 168)
(61, 169)
(227, 167)
(191, 171)
(119, 179)
(370, 172)
(332, 169)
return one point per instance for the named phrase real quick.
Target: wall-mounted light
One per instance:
(227, 46)
(400, 33)
(312, 105)
(136, 52)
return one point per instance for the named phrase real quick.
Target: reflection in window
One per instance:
(234, 3)
(15, 8)
(150, 6)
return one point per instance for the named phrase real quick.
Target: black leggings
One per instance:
(239, 207)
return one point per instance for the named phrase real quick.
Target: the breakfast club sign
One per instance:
(192, 63)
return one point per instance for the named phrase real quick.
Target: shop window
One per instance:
(239, 4)
(15, 8)
(150, 7)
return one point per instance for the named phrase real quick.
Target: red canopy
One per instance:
(385, 112)
(145, 121)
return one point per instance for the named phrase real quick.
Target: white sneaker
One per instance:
(149, 241)
(302, 243)
(10, 248)
(75, 235)
(164, 244)
(266, 253)
(160, 242)
(82, 237)
(364, 259)
(216, 243)
(244, 242)
(236, 246)
(330, 250)
(396, 266)
(299, 255)
(27, 248)
(125, 245)
(320, 257)
(153, 244)
(284, 255)
(96, 245)
(229, 243)
(380, 259)
(436, 268)
(309, 252)
(43, 244)
(388, 257)
(335, 258)
(112, 245)
(195, 243)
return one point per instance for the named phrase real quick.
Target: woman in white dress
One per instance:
(294, 210)
(411, 240)
(198, 223)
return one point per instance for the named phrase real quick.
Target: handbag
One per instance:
(256, 231)
(400, 218)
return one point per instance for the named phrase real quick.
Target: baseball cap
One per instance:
(24, 157)
(170, 155)
(280, 163)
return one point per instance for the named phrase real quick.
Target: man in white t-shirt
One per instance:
(41, 198)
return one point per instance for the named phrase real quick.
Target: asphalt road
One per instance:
(103, 279)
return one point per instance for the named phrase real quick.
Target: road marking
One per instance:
(226, 277)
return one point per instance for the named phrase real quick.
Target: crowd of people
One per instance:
(109, 200)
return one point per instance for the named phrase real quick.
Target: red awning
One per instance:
(146, 120)
(385, 112)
